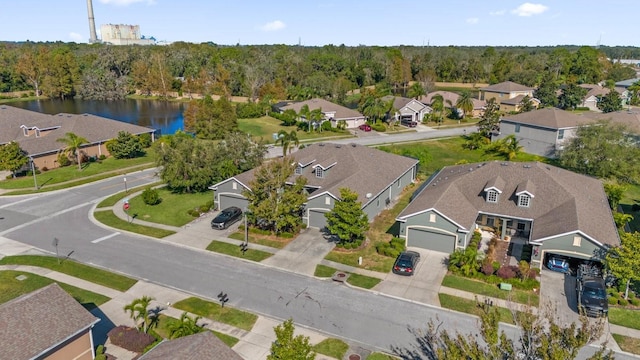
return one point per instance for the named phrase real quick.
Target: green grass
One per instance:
(234, 250)
(471, 307)
(73, 268)
(365, 282)
(624, 317)
(110, 219)
(91, 171)
(213, 311)
(481, 288)
(264, 127)
(162, 329)
(381, 356)
(11, 288)
(628, 344)
(632, 197)
(113, 199)
(256, 239)
(334, 348)
(172, 210)
(324, 271)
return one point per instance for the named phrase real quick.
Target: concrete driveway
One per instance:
(424, 285)
(558, 294)
(304, 253)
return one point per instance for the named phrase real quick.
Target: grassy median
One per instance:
(213, 311)
(110, 219)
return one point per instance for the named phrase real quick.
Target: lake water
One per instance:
(163, 115)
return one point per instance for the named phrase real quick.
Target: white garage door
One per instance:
(230, 200)
(432, 240)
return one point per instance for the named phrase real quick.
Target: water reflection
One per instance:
(164, 115)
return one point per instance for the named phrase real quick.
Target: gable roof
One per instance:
(94, 128)
(399, 102)
(626, 83)
(506, 87)
(551, 118)
(631, 119)
(564, 201)
(33, 324)
(201, 346)
(597, 90)
(360, 168)
(341, 112)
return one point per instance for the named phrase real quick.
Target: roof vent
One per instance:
(321, 144)
(369, 195)
(526, 166)
(68, 115)
(504, 164)
(353, 145)
(338, 146)
(85, 115)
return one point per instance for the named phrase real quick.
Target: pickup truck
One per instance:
(592, 291)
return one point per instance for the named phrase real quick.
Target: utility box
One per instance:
(505, 286)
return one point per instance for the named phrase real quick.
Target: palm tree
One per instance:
(73, 142)
(465, 103)
(185, 326)
(138, 310)
(288, 141)
(437, 104)
(511, 146)
(416, 90)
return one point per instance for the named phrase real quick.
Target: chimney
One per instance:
(92, 24)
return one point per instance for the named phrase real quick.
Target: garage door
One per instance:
(317, 219)
(230, 200)
(431, 240)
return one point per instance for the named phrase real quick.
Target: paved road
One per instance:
(377, 321)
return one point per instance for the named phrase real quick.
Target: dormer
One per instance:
(493, 189)
(524, 193)
(322, 169)
(301, 165)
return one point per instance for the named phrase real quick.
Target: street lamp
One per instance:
(33, 171)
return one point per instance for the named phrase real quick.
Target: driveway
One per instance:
(424, 285)
(302, 254)
(558, 294)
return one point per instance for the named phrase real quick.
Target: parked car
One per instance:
(408, 123)
(406, 263)
(365, 127)
(226, 217)
(558, 263)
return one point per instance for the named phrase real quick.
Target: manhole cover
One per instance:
(354, 357)
(340, 276)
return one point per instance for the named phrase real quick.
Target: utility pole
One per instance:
(33, 171)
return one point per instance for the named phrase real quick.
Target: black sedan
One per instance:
(406, 263)
(226, 217)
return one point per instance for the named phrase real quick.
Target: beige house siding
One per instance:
(50, 161)
(76, 349)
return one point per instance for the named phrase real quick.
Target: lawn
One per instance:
(264, 127)
(381, 356)
(334, 348)
(91, 171)
(11, 288)
(162, 329)
(172, 209)
(108, 218)
(471, 307)
(324, 271)
(482, 288)
(628, 344)
(113, 199)
(213, 311)
(365, 282)
(73, 268)
(624, 317)
(234, 250)
(630, 198)
(266, 240)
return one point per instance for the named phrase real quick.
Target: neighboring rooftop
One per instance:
(626, 83)
(201, 346)
(551, 118)
(340, 111)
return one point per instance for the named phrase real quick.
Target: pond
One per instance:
(166, 116)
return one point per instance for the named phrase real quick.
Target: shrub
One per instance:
(286, 235)
(632, 295)
(613, 292)
(203, 209)
(392, 249)
(130, 338)
(63, 160)
(193, 212)
(102, 157)
(623, 302)
(151, 197)
(613, 301)
(634, 301)
(495, 265)
(379, 127)
(44, 168)
(487, 268)
(506, 272)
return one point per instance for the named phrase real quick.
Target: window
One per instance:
(517, 128)
(234, 186)
(521, 226)
(319, 172)
(327, 200)
(577, 240)
(25, 131)
(492, 196)
(37, 132)
(399, 182)
(298, 170)
(560, 134)
(378, 203)
(432, 218)
(490, 221)
(523, 200)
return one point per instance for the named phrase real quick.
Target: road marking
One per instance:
(105, 237)
(18, 202)
(29, 223)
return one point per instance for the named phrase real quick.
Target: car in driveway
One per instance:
(226, 217)
(365, 127)
(406, 263)
(558, 263)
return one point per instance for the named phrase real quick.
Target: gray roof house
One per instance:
(594, 91)
(47, 323)
(332, 112)
(550, 209)
(376, 176)
(626, 83)
(408, 109)
(508, 94)
(201, 346)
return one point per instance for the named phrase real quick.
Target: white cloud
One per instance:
(273, 26)
(497, 13)
(75, 36)
(472, 21)
(126, 2)
(529, 9)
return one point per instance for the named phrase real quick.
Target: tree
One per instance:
(290, 347)
(572, 96)
(210, 119)
(490, 119)
(416, 90)
(615, 193)
(465, 103)
(32, 66)
(138, 310)
(347, 220)
(125, 146)
(546, 92)
(274, 203)
(184, 326)
(12, 157)
(623, 261)
(73, 143)
(288, 141)
(610, 102)
(475, 141)
(437, 104)
(509, 147)
(526, 104)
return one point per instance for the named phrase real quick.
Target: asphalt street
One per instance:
(375, 320)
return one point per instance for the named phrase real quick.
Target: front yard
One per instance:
(264, 128)
(481, 288)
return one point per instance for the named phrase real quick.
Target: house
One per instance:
(332, 112)
(508, 94)
(408, 109)
(450, 99)
(626, 83)
(594, 91)
(376, 176)
(542, 132)
(37, 133)
(549, 209)
(628, 118)
(47, 324)
(200, 346)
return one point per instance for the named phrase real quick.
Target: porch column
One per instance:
(504, 228)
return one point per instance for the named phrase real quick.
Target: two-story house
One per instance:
(331, 112)
(509, 95)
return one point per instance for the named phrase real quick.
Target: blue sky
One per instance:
(349, 22)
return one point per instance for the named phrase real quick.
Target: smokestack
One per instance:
(92, 25)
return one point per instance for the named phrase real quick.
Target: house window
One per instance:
(490, 221)
(523, 200)
(298, 170)
(234, 186)
(399, 182)
(327, 200)
(378, 203)
(319, 172)
(521, 226)
(432, 218)
(25, 131)
(492, 196)
(560, 134)
(577, 240)
(517, 128)
(37, 132)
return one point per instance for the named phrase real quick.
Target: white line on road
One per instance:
(105, 237)
(22, 226)
(18, 202)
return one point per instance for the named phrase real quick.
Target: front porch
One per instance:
(508, 251)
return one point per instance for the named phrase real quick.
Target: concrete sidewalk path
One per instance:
(303, 253)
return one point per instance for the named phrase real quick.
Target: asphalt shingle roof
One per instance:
(563, 201)
(33, 323)
(201, 346)
(552, 118)
(341, 112)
